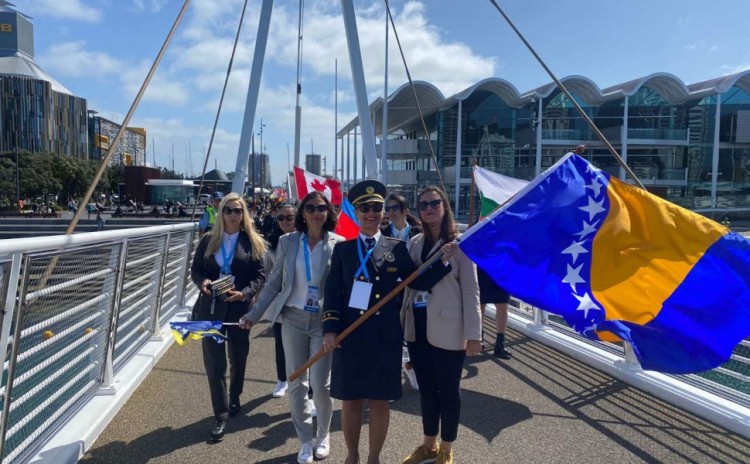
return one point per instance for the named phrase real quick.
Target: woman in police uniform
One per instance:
(368, 364)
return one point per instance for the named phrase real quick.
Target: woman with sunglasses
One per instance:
(403, 225)
(368, 364)
(441, 327)
(283, 224)
(231, 248)
(293, 293)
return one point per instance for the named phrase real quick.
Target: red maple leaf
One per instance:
(318, 186)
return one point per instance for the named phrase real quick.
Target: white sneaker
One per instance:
(305, 455)
(322, 447)
(280, 389)
(412, 378)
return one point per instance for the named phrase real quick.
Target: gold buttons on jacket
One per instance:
(377, 277)
(377, 295)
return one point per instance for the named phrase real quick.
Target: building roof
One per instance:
(21, 65)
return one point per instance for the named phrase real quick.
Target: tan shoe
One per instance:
(421, 455)
(444, 457)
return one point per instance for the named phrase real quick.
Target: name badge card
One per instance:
(360, 298)
(312, 299)
(420, 301)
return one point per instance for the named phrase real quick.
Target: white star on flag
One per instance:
(593, 208)
(573, 276)
(596, 187)
(587, 229)
(575, 249)
(585, 303)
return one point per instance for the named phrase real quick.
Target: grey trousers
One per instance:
(302, 336)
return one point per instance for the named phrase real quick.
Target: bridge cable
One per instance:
(218, 112)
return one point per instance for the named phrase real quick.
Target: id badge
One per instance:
(420, 301)
(312, 304)
(360, 298)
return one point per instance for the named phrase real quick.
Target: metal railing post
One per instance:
(108, 373)
(156, 327)
(14, 355)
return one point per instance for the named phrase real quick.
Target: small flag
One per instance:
(495, 189)
(308, 182)
(348, 226)
(619, 263)
(195, 330)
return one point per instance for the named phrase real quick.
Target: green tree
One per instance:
(170, 174)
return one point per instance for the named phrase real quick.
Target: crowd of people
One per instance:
(291, 268)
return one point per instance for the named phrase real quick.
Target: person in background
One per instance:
(208, 219)
(367, 363)
(441, 327)
(293, 293)
(232, 248)
(402, 226)
(490, 292)
(284, 225)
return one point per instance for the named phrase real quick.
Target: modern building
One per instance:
(259, 169)
(37, 113)
(130, 151)
(687, 143)
(313, 164)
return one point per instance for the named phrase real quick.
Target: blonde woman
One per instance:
(233, 247)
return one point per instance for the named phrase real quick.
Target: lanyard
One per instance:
(307, 259)
(363, 261)
(397, 235)
(226, 269)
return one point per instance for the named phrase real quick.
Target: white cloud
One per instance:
(67, 9)
(71, 59)
(162, 88)
(734, 68)
(153, 6)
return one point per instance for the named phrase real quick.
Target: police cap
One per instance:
(367, 191)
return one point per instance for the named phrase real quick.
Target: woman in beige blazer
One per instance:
(441, 327)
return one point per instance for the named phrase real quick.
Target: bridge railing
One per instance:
(76, 309)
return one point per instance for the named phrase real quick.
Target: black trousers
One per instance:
(280, 360)
(215, 362)
(438, 373)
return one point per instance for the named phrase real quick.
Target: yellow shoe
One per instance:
(444, 457)
(421, 455)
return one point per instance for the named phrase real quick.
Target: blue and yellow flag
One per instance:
(619, 263)
(195, 330)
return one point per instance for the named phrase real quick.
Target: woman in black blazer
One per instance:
(402, 225)
(232, 247)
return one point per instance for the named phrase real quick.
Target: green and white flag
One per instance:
(495, 189)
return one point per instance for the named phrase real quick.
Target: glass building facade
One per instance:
(687, 143)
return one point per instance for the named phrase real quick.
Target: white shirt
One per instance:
(228, 241)
(402, 234)
(298, 297)
(364, 237)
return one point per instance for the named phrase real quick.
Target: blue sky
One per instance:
(101, 50)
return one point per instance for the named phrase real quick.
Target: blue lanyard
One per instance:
(226, 268)
(394, 234)
(363, 261)
(307, 259)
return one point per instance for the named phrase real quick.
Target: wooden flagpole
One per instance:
(393, 293)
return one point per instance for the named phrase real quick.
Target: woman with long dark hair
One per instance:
(232, 248)
(441, 327)
(293, 293)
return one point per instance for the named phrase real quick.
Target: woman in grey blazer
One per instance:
(293, 292)
(441, 327)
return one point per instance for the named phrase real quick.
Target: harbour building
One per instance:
(689, 143)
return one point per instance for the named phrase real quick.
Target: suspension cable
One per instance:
(218, 112)
(416, 99)
(583, 114)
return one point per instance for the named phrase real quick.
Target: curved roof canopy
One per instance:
(20, 65)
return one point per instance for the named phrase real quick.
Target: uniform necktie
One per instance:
(370, 242)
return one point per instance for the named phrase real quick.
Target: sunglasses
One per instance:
(366, 207)
(285, 217)
(434, 204)
(394, 208)
(319, 208)
(227, 210)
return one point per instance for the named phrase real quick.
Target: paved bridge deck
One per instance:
(540, 407)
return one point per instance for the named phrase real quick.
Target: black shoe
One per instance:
(502, 353)
(234, 406)
(217, 433)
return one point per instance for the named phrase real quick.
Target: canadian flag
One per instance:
(308, 182)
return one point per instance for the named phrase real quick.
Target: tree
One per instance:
(170, 174)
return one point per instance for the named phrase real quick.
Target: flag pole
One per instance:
(369, 313)
(472, 191)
